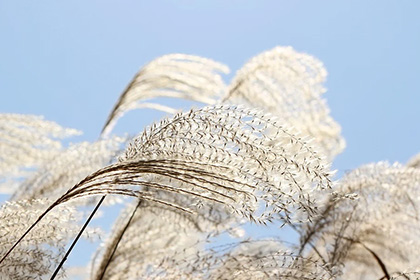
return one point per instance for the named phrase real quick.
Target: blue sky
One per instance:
(70, 60)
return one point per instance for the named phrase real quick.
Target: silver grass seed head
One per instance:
(26, 143)
(74, 163)
(176, 75)
(262, 259)
(289, 84)
(241, 143)
(38, 254)
(375, 208)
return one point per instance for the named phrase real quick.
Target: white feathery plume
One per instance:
(26, 143)
(289, 85)
(122, 224)
(43, 248)
(225, 154)
(380, 224)
(206, 171)
(63, 171)
(262, 259)
(174, 75)
(147, 233)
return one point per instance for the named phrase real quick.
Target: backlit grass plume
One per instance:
(73, 164)
(175, 75)
(146, 234)
(262, 259)
(228, 155)
(200, 182)
(43, 248)
(375, 232)
(289, 84)
(26, 143)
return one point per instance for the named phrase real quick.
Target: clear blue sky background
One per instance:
(70, 60)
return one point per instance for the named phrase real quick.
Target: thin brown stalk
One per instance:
(77, 238)
(119, 238)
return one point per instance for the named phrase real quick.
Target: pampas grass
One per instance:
(255, 151)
